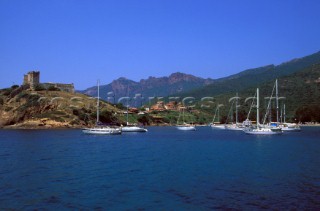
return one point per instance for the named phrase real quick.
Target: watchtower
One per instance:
(32, 78)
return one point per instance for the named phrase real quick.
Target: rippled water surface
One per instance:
(164, 169)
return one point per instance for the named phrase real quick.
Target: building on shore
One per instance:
(32, 79)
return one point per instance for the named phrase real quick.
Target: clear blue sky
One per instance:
(81, 41)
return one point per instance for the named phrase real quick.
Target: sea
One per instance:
(163, 169)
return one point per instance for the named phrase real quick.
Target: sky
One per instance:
(80, 41)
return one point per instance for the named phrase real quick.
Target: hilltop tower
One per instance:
(32, 78)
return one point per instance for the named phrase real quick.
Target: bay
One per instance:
(163, 169)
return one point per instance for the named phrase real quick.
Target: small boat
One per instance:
(288, 127)
(133, 128)
(234, 126)
(184, 126)
(217, 125)
(101, 129)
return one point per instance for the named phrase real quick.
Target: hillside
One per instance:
(300, 89)
(163, 86)
(21, 108)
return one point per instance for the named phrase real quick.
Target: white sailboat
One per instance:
(184, 125)
(101, 129)
(235, 126)
(248, 123)
(260, 129)
(288, 127)
(131, 127)
(217, 125)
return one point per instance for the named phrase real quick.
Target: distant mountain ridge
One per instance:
(254, 77)
(152, 86)
(182, 85)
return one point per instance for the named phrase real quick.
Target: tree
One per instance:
(145, 120)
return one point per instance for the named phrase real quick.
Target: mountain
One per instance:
(253, 77)
(163, 86)
(182, 85)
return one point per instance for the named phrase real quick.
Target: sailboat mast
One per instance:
(277, 100)
(258, 107)
(215, 113)
(284, 113)
(98, 101)
(127, 114)
(128, 106)
(183, 116)
(237, 109)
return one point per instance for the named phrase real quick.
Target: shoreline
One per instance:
(68, 127)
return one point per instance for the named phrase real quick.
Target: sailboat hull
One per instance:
(186, 128)
(102, 131)
(233, 127)
(220, 127)
(289, 129)
(262, 131)
(133, 129)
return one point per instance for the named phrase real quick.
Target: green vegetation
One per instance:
(308, 113)
(301, 91)
(145, 120)
(39, 87)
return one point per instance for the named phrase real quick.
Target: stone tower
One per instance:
(32, 78)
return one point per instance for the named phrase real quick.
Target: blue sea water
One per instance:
(163, 169)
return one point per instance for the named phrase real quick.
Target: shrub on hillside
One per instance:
(39, 87)
(52, 88)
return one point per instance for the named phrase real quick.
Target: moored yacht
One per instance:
(184, 126)
(288, 127)
(101, 129)
(234, 126)
(217, 125)
(133, 128)
(261, 129)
